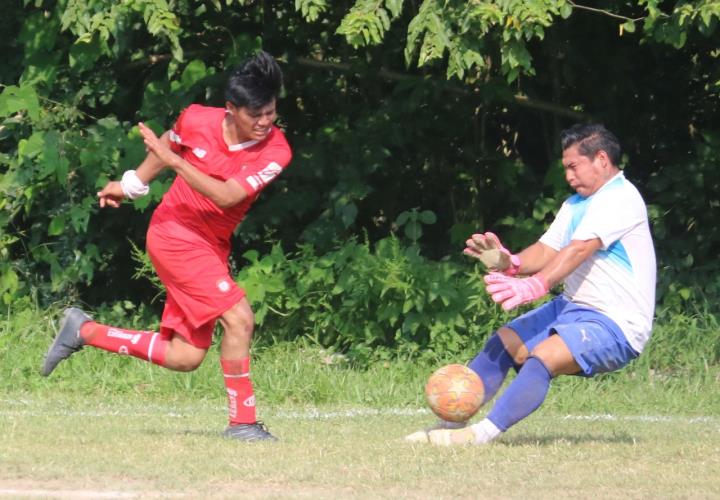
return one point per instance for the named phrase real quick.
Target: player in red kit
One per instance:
(222, 158)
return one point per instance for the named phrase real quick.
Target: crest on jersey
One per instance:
(223, 286)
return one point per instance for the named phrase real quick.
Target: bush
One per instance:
(370, 300)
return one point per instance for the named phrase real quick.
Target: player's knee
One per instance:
(187, 365)
(514, 345)
(239, 322)
(184, 360)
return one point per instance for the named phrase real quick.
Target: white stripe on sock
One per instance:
(152, 345)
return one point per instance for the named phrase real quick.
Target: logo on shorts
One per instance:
(249, 402)
(584, 334)
(223, 286)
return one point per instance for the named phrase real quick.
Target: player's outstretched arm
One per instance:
(111, 195)
(153, 164)
(135, 182)
(223, 193)
(511, 292)
(488, 249)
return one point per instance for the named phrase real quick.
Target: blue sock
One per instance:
(492, 365)
(524, 395)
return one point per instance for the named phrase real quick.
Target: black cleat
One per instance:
(249, 432)
(68, 340)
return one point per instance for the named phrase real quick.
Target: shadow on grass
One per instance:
(550, 439)
(203, 433)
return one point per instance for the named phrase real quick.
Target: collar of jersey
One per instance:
(245, 145)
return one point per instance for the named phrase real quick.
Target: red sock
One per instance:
(143, 345)
(241, 398)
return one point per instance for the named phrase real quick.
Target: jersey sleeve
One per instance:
(555, 235)
(262, 170)
(610, 218)
(176, 132)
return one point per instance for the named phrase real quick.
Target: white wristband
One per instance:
(132, 186)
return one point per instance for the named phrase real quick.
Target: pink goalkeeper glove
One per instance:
(488, 249)
(512, 292)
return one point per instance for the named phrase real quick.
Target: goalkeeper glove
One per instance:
(512, 292)
(488, 249)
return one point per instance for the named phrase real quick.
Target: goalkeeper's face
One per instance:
(253, 124)
(587, 174)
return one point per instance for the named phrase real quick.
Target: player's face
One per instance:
(253, 124)
(586, 175)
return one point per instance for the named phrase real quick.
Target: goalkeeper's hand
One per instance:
(488, 249)
(512, 292)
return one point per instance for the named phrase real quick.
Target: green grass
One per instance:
(103, 425)
(150, 446)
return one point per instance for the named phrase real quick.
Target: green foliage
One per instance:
(368, 20)
(47, 201)
(467, 31)
(92, 23)
(367, 299)
(311, 9)
(683, 216)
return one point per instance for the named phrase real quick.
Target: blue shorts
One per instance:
(595, 341)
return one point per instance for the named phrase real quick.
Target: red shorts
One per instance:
(198, 283)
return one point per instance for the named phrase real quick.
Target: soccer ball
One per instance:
(454, 393)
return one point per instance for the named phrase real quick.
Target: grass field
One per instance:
(105, 426)
(140, 447)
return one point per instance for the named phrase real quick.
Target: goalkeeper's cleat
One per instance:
(67, 341)
(249, 432)
(423, 435)
(452, 437)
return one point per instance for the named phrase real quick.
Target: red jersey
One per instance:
(198, 138)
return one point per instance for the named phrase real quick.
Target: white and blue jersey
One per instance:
(618, 280)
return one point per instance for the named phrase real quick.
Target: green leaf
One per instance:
(566, 10)
(31, 147)
(84, 53)
(57, 225)
(50, 159)
(348, 213)
(413, 230)
(628, 26)
(24, 98)
(193, 73)
(427, 217)
(9, 281)
(402, 218)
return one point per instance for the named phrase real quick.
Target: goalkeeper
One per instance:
(222, 157)
(599, 246)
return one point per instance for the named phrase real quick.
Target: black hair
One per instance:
(255, 82)
(591, 138)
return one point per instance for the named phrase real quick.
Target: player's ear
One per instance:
(230, 108)
(602, 157)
